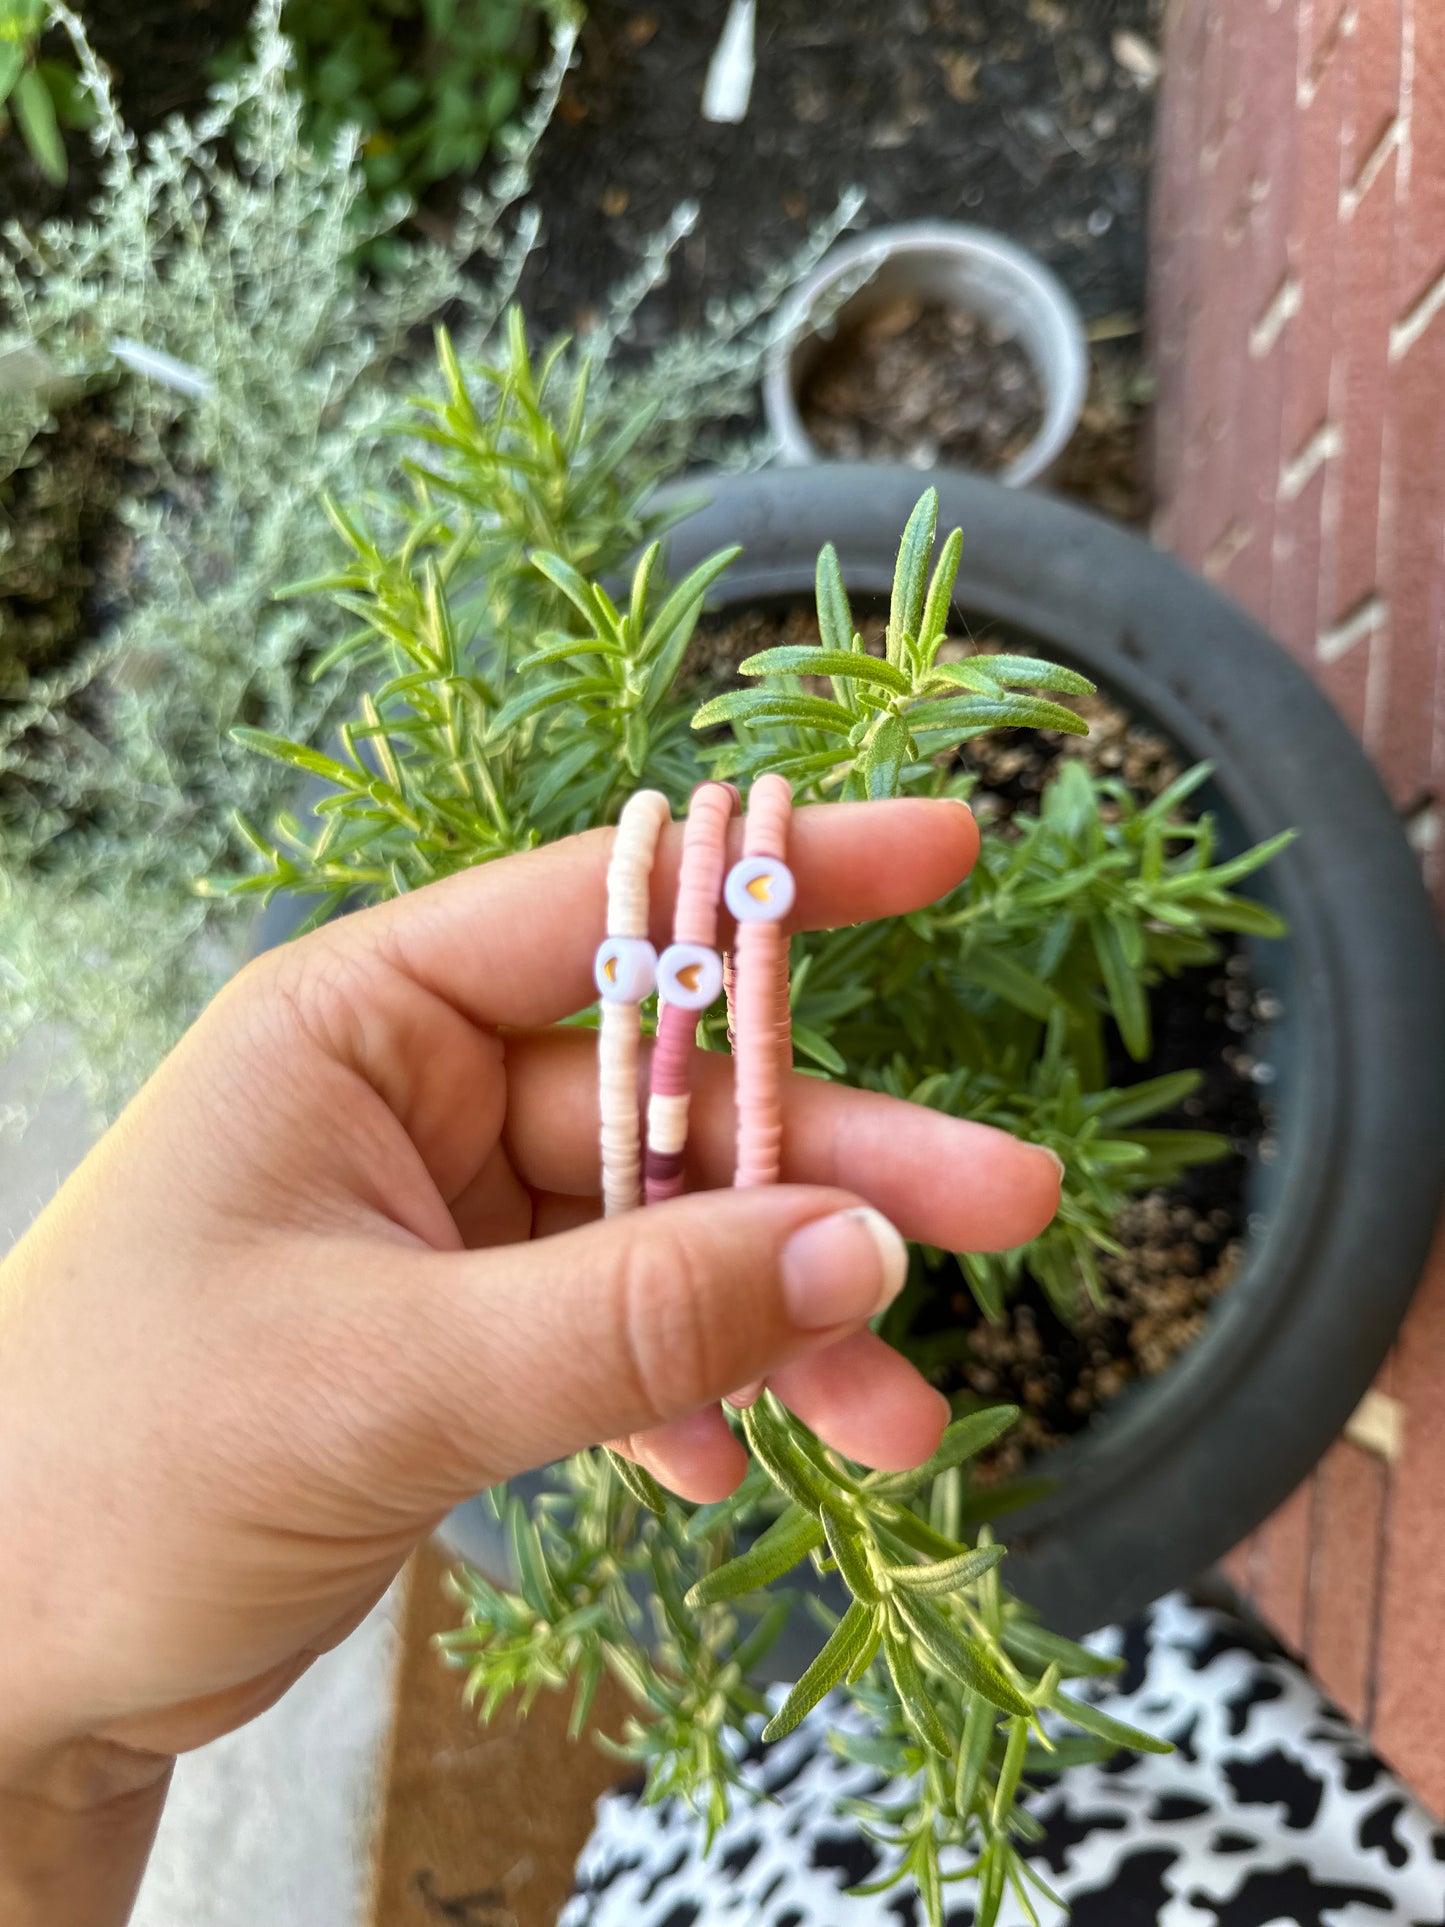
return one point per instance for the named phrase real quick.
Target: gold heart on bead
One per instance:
(759, 889)
(689, 975)
(625, 969)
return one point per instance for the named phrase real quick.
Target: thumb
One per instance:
(540, 1349)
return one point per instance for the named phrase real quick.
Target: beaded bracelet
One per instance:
(625, 972)
(689, 977)
(759, 892)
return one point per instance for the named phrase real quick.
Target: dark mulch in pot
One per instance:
(924, 383)
(1181, 1247)
(1022, 118)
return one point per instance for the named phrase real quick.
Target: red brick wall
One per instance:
(1299, 339)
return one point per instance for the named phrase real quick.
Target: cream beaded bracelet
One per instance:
(689, 978)
(759, 892)
(625, 973)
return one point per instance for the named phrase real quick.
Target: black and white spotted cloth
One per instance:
(1272, 1812)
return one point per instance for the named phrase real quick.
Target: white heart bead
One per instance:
(689, 975)
(626, 970)
(760, 889)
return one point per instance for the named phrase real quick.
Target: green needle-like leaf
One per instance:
(910, 576)
(788, 1539)
(1104, 1727)
(688, 593)
(835, 618)
(639, 1482)
(808, 1043)
(963, 1439)
(575, 586)
(1122, 985)
(846, 1543)
(947, 1575)
(795, 659)
(934, 625)
(889, 748)
(912, 1693)
(971, 715)
(531, 702)
(784, 1464)
(827, 1670)
(1035, 1645)
(539, 1589)
(978, 1732)
(955, 1653)
(759, 706)
(1032, 672)
(1011, 1770)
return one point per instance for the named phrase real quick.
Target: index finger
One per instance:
(511, 942)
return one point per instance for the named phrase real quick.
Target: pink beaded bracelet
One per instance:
(759, 892)
(625, 973)
(689, 978)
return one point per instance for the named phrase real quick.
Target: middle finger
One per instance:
(943, 1181)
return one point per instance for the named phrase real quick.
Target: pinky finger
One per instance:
(696, 1456)
(866, 1401)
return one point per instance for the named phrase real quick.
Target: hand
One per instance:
(338, 1267)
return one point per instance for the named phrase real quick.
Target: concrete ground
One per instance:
(274, 1823)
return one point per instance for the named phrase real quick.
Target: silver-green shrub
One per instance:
(231, 245)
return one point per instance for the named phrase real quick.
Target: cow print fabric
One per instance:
(1272, 1812)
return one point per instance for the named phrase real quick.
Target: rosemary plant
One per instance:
(514, 704)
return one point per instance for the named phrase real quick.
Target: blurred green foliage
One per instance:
(38, 97)
(430, 83)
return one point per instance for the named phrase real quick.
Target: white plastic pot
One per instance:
(945, 261)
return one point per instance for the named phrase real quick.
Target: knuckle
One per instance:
(309, 991)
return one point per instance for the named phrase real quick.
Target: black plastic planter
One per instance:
(1180, 1469)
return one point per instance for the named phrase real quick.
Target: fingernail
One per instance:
(956, 799)
(1052, 1156)
(842, 1270)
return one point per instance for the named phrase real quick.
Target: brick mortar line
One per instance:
(1416, 320)
(1371, 168)
(1299, 471)
(1406, 99)
(1233, 541)
(1336, 401)
(1308, 82)
(1281, 308)
(1376, 686)
(1372, 612)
